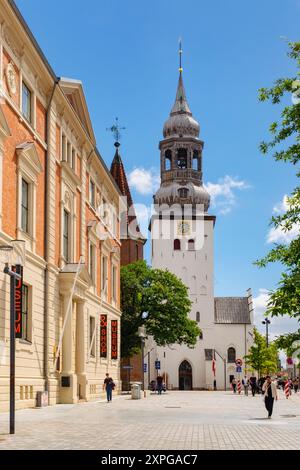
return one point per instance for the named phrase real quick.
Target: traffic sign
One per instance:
(157, 365)
(238, 369)
(239, 362)
(145, 367)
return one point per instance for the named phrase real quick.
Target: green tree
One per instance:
(290, 344)
(285, 147)
(165, 299)
(261, 358)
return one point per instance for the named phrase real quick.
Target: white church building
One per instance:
(182, 234)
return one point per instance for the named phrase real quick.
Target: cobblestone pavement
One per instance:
(175, 420)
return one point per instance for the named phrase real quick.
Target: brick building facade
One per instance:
(57, 195)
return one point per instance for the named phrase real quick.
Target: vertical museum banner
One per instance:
(18, 301)
(114, 339)
(103, 335)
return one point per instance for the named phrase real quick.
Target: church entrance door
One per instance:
(185, 376)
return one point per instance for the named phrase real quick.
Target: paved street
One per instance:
(175, 420)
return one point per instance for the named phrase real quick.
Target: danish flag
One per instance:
(213, 366)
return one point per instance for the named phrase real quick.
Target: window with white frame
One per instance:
(114, 283)
(26, 102)
(66, 235)
(104, 211)
(104, 275)
(92, 342)
(92, 193)
(29, 168)
(73, 159)
(25, 216)
(92, 261)
(63, 148)
(114, 222)
(69, 153)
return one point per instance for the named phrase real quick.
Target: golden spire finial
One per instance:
(180, 54)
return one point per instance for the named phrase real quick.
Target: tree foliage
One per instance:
(261, 358)
(290, 343)
(285, 146)
(165, 299)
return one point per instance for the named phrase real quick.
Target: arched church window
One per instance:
(182, 158)
(168, 160)
(195, 164)
(191, 244)
(203, 290)
(177, 244)
(183, 193)
(198, 317)
(231, 355)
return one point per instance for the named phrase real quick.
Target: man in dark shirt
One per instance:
(159, 382)
(253, 385)
(109, 386)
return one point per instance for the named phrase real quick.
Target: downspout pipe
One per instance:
(46, 245)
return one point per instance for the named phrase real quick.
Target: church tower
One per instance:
(182, 238)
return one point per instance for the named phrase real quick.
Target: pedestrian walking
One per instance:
(159, 383)
(253, 385)
(233, 384)
(296, 384)
(270, 394)
(245, 382)
(109, 386)
(291, 386)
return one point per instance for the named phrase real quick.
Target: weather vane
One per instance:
(180, 55)
(115, 129)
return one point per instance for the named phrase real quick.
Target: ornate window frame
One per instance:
(68, 205)
(28, 168)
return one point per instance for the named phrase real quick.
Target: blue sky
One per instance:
(126, 55)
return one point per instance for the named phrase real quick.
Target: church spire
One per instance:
(181, 104)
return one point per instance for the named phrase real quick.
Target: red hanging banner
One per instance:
(114, 339)
(103, 335)
(18, 301)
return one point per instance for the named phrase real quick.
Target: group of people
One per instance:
(157, 385)
(293, 384)
(109, 386)
(256, 385)
(267, 387)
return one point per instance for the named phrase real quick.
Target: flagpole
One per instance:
(224, 360)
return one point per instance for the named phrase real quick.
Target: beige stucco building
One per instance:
(57, 195)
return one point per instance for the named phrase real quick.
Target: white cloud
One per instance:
(278, 325)
(223, 194)
(278, 235)
(282, 206)
(144, 181)
(143, 214)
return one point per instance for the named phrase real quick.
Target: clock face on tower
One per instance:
(183, 228)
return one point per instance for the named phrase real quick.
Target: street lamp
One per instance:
(142, 335)
(267, 323)
(15, 274)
